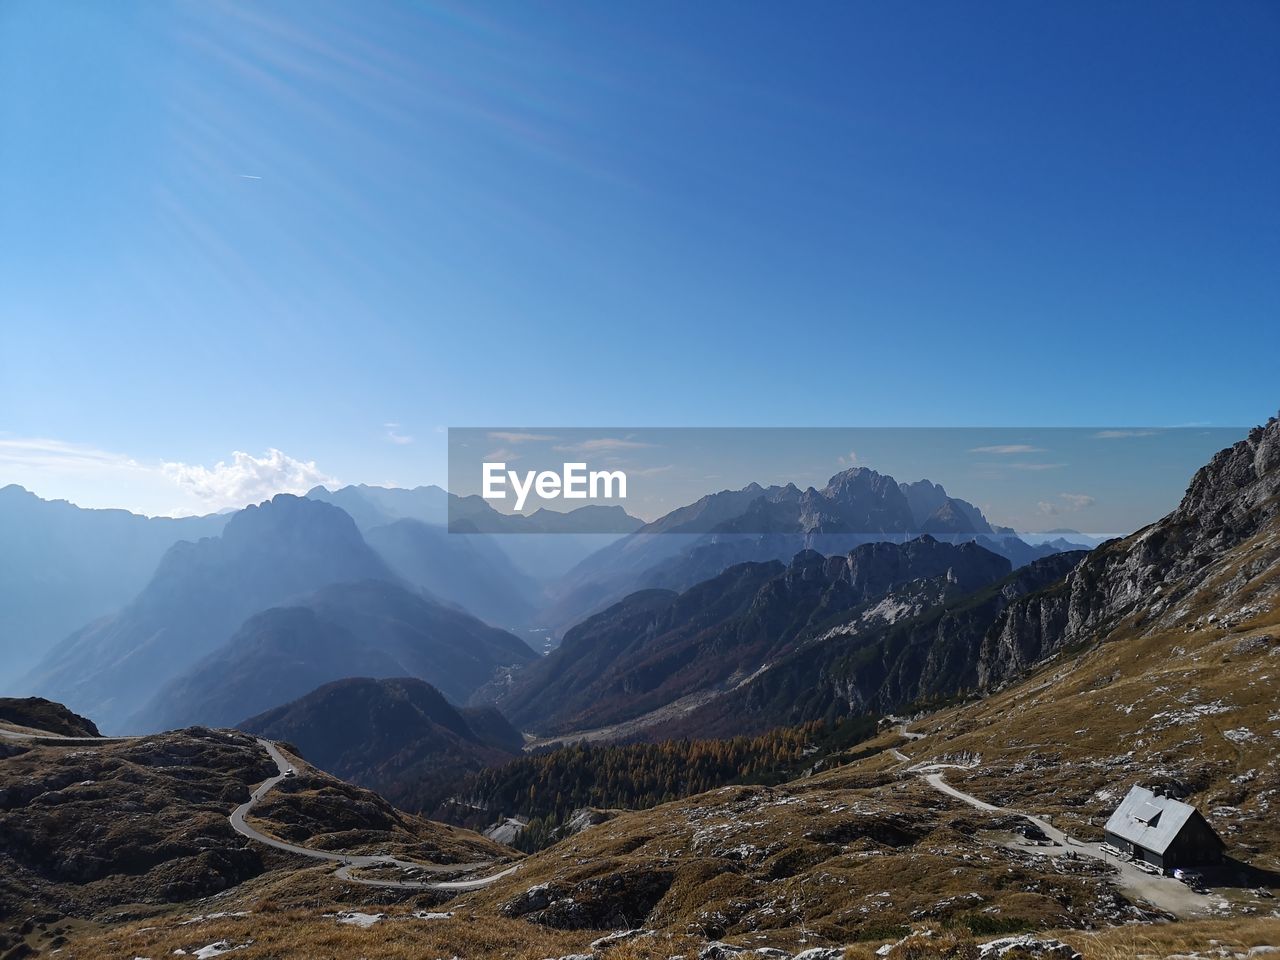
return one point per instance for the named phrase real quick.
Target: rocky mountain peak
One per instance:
(1236, 491)
(290, 516)
(857, 480)
(1152, 579)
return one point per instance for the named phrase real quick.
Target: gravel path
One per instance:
(353, 861)
(1168, 894)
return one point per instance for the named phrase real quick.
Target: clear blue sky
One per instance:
(287, 225)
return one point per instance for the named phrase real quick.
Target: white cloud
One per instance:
(395, 436)
(1071, 501)
(849, 459)
(92, 477)
(602, 444)
(1078, 501)
(58, 456)
(1036, 466)
(505, 437)
(247, 479)
(1122, 434)
(1008, 448)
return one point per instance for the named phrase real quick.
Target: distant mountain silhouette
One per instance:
(577, 533)
(199, 594)
(366, 628)
(761, 524)
(62, 566)
(467, 569)
(386, 733)
(371, 506)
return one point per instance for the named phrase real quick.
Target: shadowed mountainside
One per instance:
(199, 594)
(656, 647)
(63, 565)
(37, 713)
(760, 524)
(384, 734)
(366, 628)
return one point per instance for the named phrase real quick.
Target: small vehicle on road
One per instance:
(1033, 833)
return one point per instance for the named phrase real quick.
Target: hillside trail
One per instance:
(1166, 893)
(352, 861)
(237, 817)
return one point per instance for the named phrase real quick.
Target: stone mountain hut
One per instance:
(1164, 832)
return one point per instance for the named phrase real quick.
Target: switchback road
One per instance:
(352, 861)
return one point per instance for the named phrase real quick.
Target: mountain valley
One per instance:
(655, 646)
(905, 749)
(361, 628)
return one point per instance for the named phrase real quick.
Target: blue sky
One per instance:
(285, 226)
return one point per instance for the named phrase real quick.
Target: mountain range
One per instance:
(696, 542)
(199, 594)
(646, 653)
(219, 630)
(763, 645)
(367, 628)
(62, 566)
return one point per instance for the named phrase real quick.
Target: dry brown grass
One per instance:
(790, 867)
(310, 935)
(1169, 939)
(1146, 941)
(946, 946)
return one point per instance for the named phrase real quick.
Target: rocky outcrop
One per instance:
(143, 821)
(618, 899)
(1145, 581)
(37, 713)
(1025, 946)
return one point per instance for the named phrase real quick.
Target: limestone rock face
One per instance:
(1152, 579)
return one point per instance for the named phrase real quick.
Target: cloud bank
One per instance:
(247, 479)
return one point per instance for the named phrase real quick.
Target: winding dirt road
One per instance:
(347, 861)
(353, 861)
